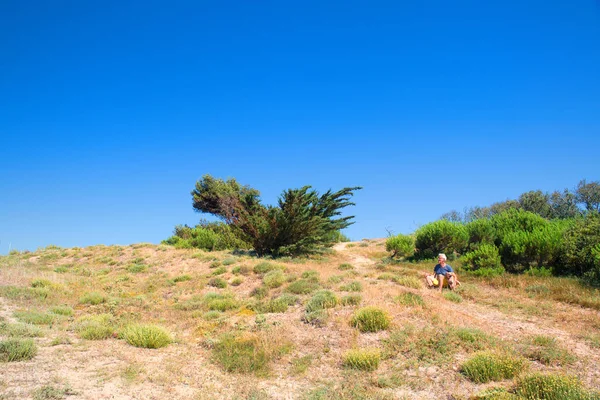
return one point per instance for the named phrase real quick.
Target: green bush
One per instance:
(146, 336)
(362, 359)
(440, 237)
(354, 286)
(484, 261)
(581, 246)
(206, 236)
(481, 231)
(489, 366)
(552, 387)
(218, 283)
(351, 300)
(370, 319)
(322, 300)
(220, 302)
(35, 317)
(93, 298)
(410, 299)
(274, 279)
(302, 286)
(95, 327)
(400, 245)
(241, 354)
(17, 350)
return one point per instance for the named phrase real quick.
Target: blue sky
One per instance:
(111, 111)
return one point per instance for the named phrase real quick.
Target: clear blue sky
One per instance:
(110, 111)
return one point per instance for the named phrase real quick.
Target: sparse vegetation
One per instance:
(17, 349)
(362, 359)
(490, 366)
(370, 319)
(147, 336)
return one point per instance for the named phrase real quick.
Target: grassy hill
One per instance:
(154, 322)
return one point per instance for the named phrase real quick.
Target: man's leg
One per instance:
(441, 280)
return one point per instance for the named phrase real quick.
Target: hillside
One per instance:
(76, 305)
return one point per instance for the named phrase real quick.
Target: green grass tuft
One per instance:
(20, 330)
(93, 298)
(488, 366)
(362, 359)
(410, 299)
(62, 310)
(218, 283)
(345, 267)
(146, 336)
(354, 286)
(274, 279)
(370, 319)
(302, 286)
(552, 387)
(35, 317)
(95, 327)
(17, 349)
(322, 300)
(351, 300)
(452, 296)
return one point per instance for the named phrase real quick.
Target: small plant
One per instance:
(219, 302)
(49, 392)
(264, 267)
(214, 264)
(34, 317)
(408, 281)
(301, 364)
(551, 387)
(302, 286)
(17, 350)
(237, 281)
(317, 318)
(95, 327)
(410, 299)
(93, 298)
(335, 279)
(229, 261)
(274, 279)
(61, 269)
(260, 292)
(322, 300)
(345, 267)
(146, 336)
(351, 300)
(354, 286)
(241, 354)
(240, 270)
(219, 271)
(362, 359)
(182, 278)
(41, 283)
(62, 310)
(20, 330)
(452, 296)
(311, 276)
(370, 319)
(137, 268)
(218, 283)
(547, 351)
(488, 366)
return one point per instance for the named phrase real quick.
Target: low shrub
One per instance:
(362, 359)
(322, 300)
(95, 327)
(146, 336)
(229, 261)
(345, 267)
(220, 302)
(17, 350)
(20, 330)
(264, 267)
(219, 271)
(240, 270)
(260, 292)
(484, 261)
(400, 246)
(35, 317)
(41, 283)
(62, 310)
(408, 281)
(354, 286)
(552, 387)
(410, 299)
(370, 319)
(93, 298)
(137, 268)
(302, 286)
(546, 350)
(237, 281)
(317, 318)
(241, 354)
(218, 283)
(489, 366)
(351, 300)
(453, 296)
(310, 275)
(182, 278)
(274, 279)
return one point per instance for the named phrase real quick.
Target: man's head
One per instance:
(441, 258)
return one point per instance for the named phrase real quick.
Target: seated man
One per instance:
(442, 270)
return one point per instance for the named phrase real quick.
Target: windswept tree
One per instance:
(589, 195)
(302, 222)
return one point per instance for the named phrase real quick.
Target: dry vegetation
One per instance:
(153, 322)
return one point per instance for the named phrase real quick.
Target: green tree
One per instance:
(302, 222)
(589, 195)
(440, 237)
(564, 205)
(537, 202)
